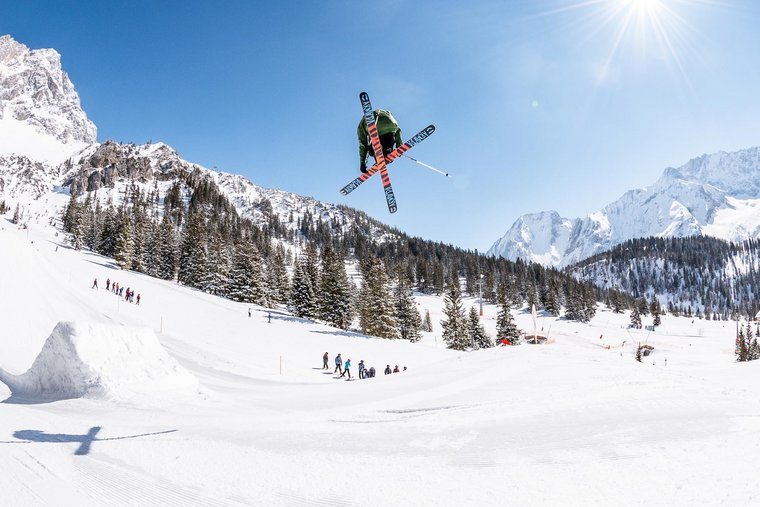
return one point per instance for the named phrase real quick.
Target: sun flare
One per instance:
(637, 30)
(644, 5)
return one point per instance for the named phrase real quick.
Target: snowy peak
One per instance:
(737, 174)
(714, 195)
(545, 231)
(38, 102)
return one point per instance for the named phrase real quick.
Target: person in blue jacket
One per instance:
(346, 368)
(338, 364)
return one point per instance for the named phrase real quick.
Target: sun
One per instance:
(643, 5)
(637, 31)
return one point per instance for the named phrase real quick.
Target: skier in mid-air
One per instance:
(387, 130)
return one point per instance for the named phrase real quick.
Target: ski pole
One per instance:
(425, 165)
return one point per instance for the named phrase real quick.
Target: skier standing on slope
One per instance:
(325, 358)
(95, 284)
(346, 369)
(338, 364)
(387, 369)
(361, 369)
(387, 130)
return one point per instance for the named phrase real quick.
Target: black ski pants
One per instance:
(387, 141)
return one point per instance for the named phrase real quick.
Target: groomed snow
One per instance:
(574, 422)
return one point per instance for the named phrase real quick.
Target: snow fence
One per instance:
(100, 361)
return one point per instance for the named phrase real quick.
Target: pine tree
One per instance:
(109, 233)
(376, 310)
(742, 349)
(439, 278)
(589, 304)
(69, 213)
(303, 300)
(753, 350)
(123, 248)
(455, 326)
(477, 333)
(165, 255)
(505, 323)
(407, 315)
(311, 265)
(532, 297)
(93, 226)
(643, 307)
(635, 317)
(219, 261)
(193, 264)
(139, 229)
(574, 304)
(334, 299)
(277, 276)
(246, 282)
(655, 310)
(616, 302)
(550, 298)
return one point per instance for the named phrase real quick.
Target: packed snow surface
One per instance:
(99, 360)
(573, 422)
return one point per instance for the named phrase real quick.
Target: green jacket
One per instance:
(386, 124)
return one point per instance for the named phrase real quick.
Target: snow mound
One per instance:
(100, 361)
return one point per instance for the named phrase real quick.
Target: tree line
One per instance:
(696, 276)
(191, 233)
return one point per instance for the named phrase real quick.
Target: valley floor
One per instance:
(567, 423)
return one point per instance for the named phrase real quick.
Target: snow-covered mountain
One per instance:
(715, 195)
(48, 145)
(40, 113)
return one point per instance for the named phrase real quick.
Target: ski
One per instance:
(378, 149)
(421, 136)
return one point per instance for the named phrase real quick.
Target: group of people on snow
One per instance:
(345, 368)
(117, 289)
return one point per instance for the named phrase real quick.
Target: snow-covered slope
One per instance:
(574, 422)
(715, 195)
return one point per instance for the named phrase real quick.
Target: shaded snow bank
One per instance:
(100, 361)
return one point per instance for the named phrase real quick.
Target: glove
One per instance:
(363, 167)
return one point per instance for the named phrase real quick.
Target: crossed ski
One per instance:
(380, 160)
(423, 134)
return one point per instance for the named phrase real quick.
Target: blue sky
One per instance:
(539, 105)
